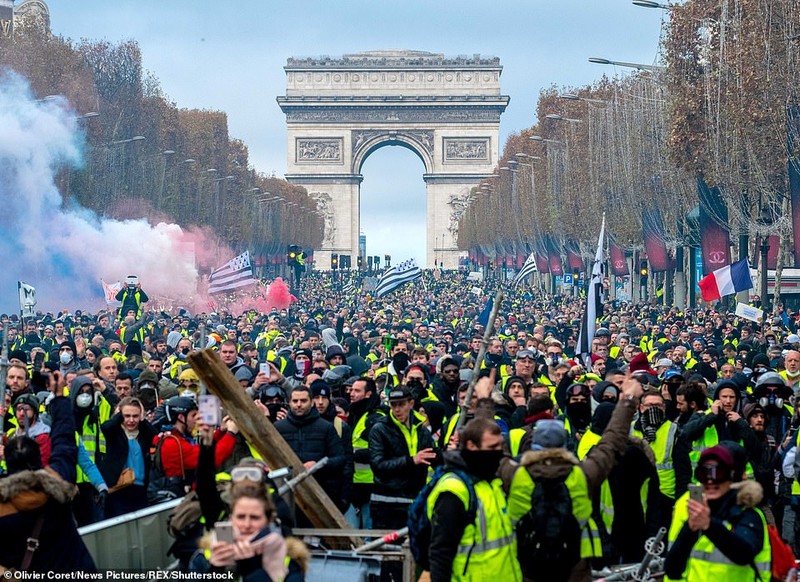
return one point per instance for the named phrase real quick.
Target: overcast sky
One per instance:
(230, 56)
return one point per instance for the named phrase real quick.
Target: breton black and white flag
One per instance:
(395, 276)
(594, 302)
(232, 275)
(528, 269)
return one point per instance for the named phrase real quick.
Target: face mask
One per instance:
(770, 400)
(482, 464)
(185, 351)
(652, 419)
(65, 358)
(792, 374)
(580, 414)
(84, 400)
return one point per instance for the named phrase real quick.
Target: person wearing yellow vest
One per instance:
(93, 403)
(484, 548)
(365, 411)
(671, 452)
(400, 451)
(131, 296)
(723, 423)
(629, 507)
(723, 536)
(550, 460)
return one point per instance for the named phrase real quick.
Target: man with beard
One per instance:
(312, 438)
(773, 396)
(764, 462)
(365, 411)
(577, 414)
(724, 423)
(690, 400)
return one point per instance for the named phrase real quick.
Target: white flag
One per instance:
(110, 291)
(27, 299)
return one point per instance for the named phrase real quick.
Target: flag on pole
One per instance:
(27, 299)
(483, 318)
(528, 269)
(234, 274)
(348, 287)
(728, 280)
(594, 304)
(110, 291)
(395, 276)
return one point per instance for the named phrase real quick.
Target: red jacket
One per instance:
(179, 455)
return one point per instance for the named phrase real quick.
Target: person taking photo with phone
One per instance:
(718, 533)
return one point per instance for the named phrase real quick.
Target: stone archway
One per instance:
(338, 111)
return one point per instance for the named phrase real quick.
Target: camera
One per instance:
(131, 280)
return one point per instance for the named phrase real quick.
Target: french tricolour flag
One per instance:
(726, 281)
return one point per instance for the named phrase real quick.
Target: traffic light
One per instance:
(334, 261)
(360, 262)
(388, 260)
(376, 260)
(643, 272)
(291, 254)
(344, 261)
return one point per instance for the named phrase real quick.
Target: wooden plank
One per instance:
(262, 435)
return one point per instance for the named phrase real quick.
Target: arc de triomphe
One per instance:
(338, 111)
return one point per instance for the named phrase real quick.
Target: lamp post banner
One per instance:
(714, 237)
(654, 240)
(793, 144)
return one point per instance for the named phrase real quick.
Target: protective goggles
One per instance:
(711, 474)
(254, 474)
(579, 390)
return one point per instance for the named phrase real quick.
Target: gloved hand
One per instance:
(100, 501)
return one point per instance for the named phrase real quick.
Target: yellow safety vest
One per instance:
(363, 471)
(94, 441)
(488, 546)
(708, 563)
(663, 446)
(519, 503)
(515, 436)
(709, 439)
(606, 500)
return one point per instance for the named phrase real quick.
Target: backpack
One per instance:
(548, 536)
(782, 556)
(162, 488)
(419, 526)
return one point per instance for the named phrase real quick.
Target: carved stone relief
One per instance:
(466, 149)
(319, 150)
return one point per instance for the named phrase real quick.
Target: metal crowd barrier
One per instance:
(134, 541)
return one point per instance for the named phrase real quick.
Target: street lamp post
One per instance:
(638, 66)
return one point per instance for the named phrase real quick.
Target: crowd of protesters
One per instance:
(666, 399)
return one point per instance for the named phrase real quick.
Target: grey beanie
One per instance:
(549, 434)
